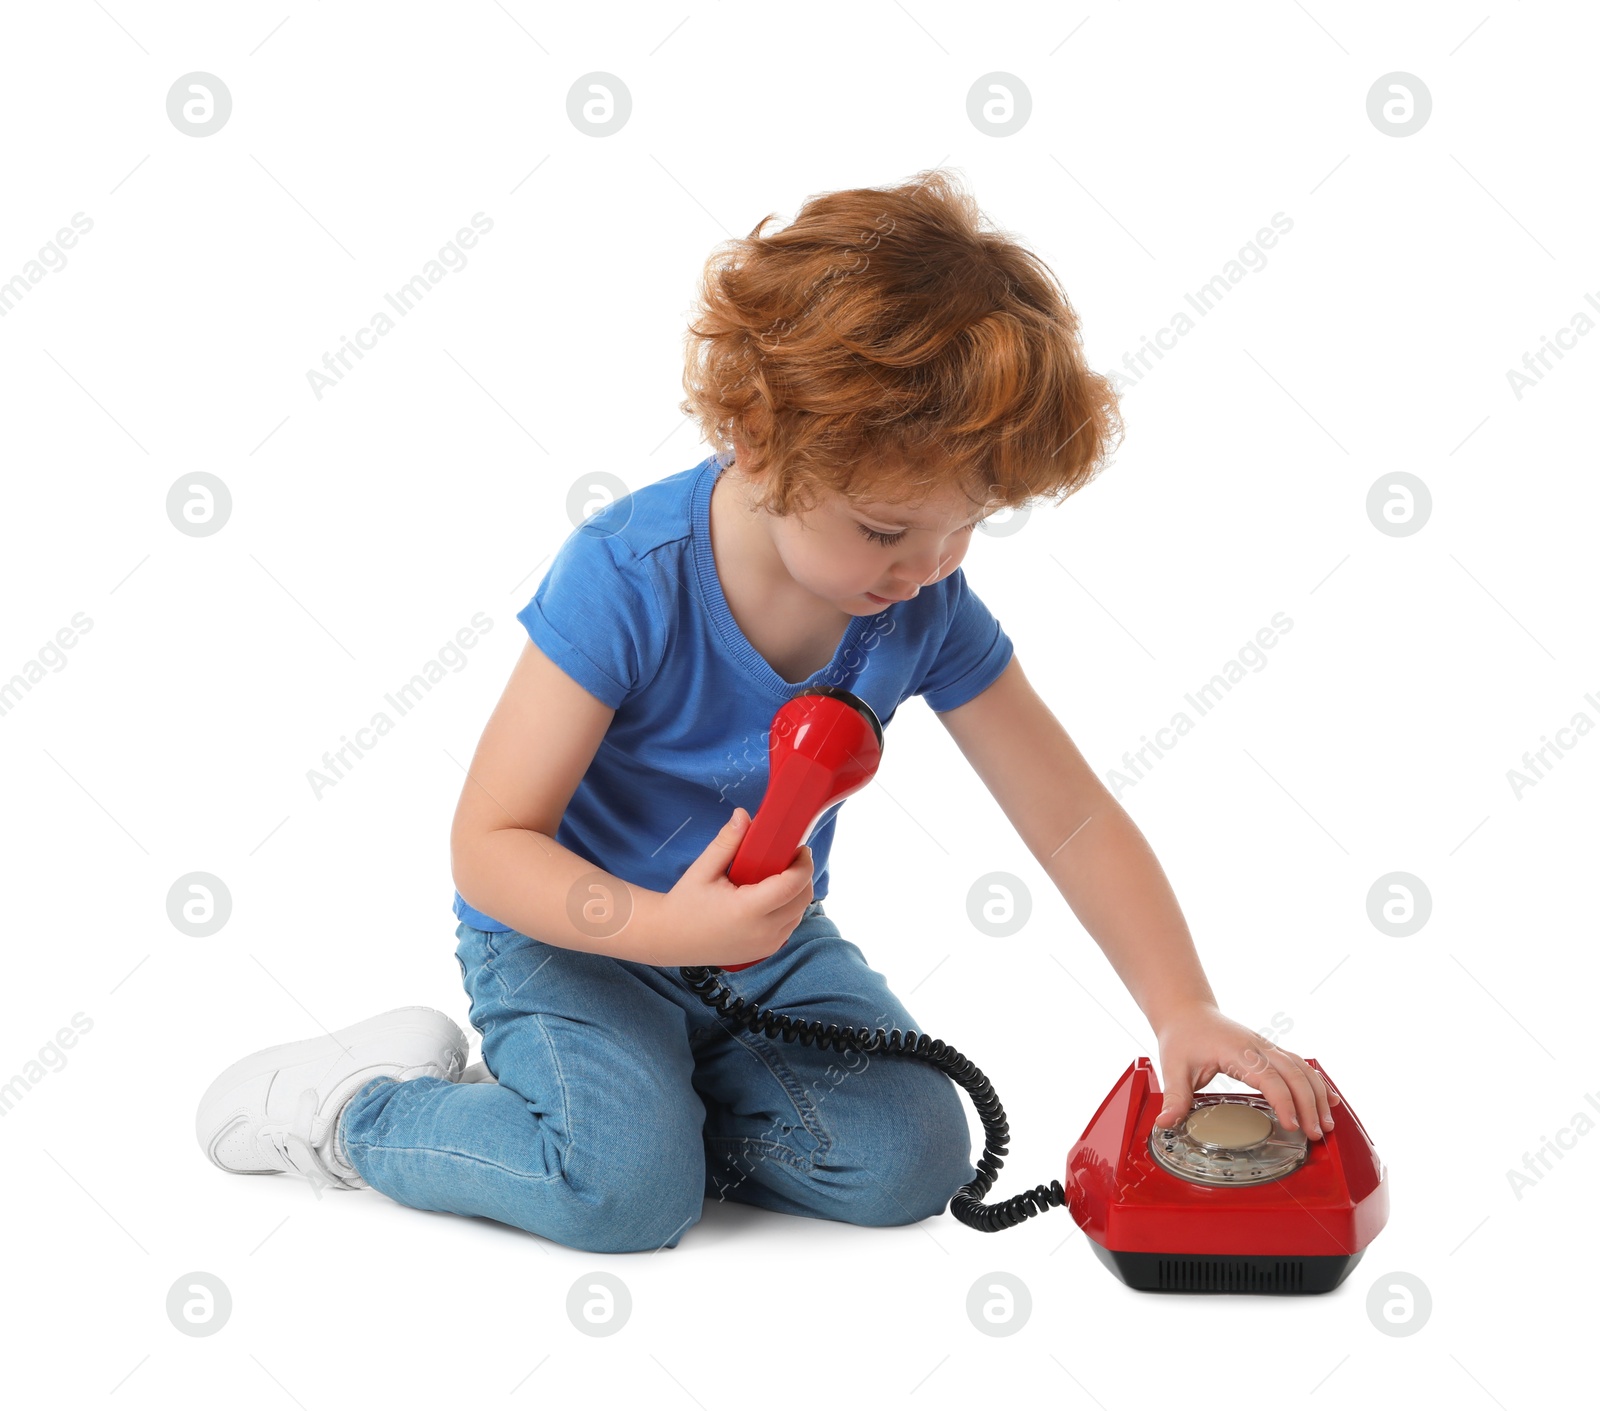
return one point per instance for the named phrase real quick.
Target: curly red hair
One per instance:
(885, 344)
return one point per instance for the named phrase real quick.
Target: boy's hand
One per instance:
(706, 920)
(1199, 1042)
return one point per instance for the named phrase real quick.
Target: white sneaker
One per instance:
(278, 1110)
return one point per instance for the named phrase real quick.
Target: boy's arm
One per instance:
(1105, 869)
(504, 858)
(1086, 842)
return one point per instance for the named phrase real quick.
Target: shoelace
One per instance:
(294, 1146)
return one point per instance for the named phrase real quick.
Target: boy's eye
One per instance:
(878, 537)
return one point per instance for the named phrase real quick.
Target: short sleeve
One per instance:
(974, 652)
(596, 616)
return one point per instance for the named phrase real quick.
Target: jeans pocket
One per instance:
(471, 949)
(512, 960)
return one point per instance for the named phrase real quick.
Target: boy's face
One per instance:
(861, 556)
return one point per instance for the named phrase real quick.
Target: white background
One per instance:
(369, 527)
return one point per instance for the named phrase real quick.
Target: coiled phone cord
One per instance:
(967, 1203)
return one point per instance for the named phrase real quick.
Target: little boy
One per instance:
(877, 377)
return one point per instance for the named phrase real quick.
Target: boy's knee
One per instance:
(913, 1178)
(904, 1192)
(629, 1229)
(621, 1207)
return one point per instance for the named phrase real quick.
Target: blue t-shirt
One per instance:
(633, 611)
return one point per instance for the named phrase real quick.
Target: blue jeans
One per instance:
(622, 1100)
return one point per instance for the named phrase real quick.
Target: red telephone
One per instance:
(1228, 1200)
(824, 745)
